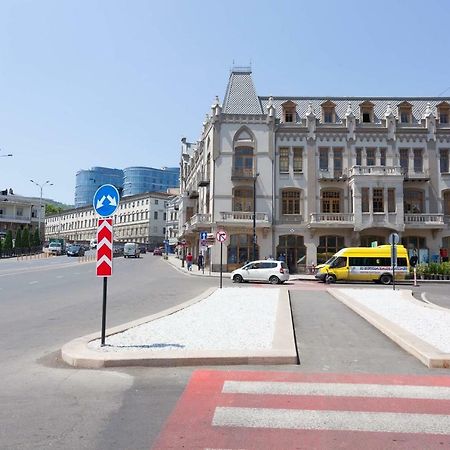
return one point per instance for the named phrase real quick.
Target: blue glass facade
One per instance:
(88, 181)
(145, 179)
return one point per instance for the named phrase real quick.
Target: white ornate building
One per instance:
(328, 173)
(139, 218)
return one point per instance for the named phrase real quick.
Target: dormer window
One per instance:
(366, 111)
(443, 110)
(405, 112)
(289, 111)
(328, 112)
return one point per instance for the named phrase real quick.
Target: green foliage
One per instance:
(53, 209)
(26, 238)
(36, 241)
(445, 268)
(18, 243)
(8, 244)
(421, 269)
(434, 268)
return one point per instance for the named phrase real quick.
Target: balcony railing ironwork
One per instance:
(242, 173)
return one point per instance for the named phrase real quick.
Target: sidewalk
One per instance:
(176, 263)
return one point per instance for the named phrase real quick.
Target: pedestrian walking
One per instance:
(200, 261)
(189, 261)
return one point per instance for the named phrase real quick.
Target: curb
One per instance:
(76, 352)
(424, 352)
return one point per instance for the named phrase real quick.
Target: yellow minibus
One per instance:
(364, 264)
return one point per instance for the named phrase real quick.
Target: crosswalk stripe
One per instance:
(331, 420)
(337, 389)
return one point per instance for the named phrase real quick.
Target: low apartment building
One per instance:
(139, 218)
(306, 176)
(18, 212)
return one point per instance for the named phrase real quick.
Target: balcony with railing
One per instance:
(239, 173)
(244, 218)
(290, 218)
(199, 220)
(424, 221)
(15, 218)
(375, 170)
(324, 220)
(413, 175)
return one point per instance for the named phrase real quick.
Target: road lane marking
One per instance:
(331, 420)
(337, 389)
(33, 282)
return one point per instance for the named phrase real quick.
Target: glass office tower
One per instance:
(88, 181)
(145, 179)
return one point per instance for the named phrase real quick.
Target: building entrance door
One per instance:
(292, 250)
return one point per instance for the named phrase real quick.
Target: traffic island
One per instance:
(422, 329)
(265, 332)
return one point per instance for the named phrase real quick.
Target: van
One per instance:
(364, 264)
(131, 249)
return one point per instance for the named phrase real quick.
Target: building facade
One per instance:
(145, 179)
(129, 181)
(18, 212)
(139, 218)
(88, 181)
(303, 177)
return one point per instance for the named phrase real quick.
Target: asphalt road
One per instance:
(46, 303)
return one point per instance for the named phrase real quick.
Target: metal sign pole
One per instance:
(105, 288)
(394, 260)
(221, 264)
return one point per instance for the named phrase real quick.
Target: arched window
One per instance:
(290, 201)
(328, 246)
(243, 161)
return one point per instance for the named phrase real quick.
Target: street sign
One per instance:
(203, 235)
(104, 247)
(394, 239)
(203, 243)
(106, 200)
(221, 236)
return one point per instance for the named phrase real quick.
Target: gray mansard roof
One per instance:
(241, 98)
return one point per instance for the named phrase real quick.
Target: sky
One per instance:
(118, 83)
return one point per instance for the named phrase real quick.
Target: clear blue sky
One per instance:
(118, 83)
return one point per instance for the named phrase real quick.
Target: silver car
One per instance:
(274, 272)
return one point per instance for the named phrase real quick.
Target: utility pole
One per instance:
(41, 187)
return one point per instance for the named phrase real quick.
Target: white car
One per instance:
(275, 272)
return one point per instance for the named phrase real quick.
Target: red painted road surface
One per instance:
(287, 410)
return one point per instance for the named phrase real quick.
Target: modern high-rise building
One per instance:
(88, 181)
(147, 179)
(129, 181)
(303, 177)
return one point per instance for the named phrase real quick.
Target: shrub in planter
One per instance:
(421, 270)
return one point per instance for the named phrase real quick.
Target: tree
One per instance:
(8, 244)
(26, 238)
(52, 209)
(18, 243)
(36, 240)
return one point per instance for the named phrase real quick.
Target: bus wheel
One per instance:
(385, 279)
(330, 279)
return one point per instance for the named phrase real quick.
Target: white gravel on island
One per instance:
(229, 319)
(428, 323)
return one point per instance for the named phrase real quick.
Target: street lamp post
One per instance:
(41, 187)
(254, 215)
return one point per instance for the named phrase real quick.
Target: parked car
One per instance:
(75, 250)
(93, 243)
(274, 272)
(157, 251)
(143, 249)
(131, 249)
(118, 249)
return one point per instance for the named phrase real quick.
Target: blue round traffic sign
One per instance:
(106, 200)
